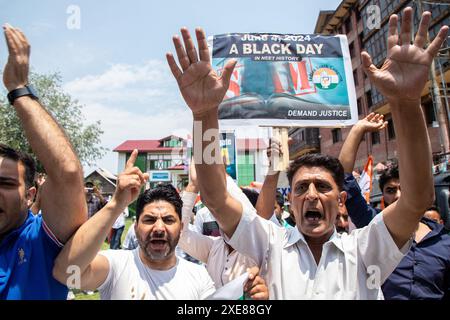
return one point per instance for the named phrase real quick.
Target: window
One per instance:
(355, 77)
(390, 129)
(351, 48)
(337, 135)
(172, 143)
(375, 138)
(160, 164)
(361, 40)
(369, 99)
(429, 113)
(360, 107)
(348, 25)
(246, 169)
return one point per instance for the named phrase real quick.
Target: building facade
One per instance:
(365, 24)
(104, 180)
(166, 160)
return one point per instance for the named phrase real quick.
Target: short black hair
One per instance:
(27, 161)
(327, 162)
(434, 208)
(165, 192)
(252, 195)
(388, 174)
(280, 199)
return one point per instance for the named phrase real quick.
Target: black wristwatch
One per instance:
(28, 90)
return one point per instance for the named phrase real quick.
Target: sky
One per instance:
(111, 54)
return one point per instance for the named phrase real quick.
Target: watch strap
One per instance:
(16, 93)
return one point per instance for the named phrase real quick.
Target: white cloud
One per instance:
(132, 102)
(135, 85)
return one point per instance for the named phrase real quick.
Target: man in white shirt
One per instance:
(313, 261)
(151, 271)
(223, 262)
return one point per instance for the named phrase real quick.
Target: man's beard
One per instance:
(171, 244)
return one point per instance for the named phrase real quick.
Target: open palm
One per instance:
(201, 87)
(373, 122)
(405, 71)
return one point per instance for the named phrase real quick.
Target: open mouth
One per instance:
(158, 244)
(313, 216)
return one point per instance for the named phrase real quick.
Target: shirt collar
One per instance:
(294, 236)
(17, 231)
(435, 227)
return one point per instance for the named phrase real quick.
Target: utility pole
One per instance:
(437, 101)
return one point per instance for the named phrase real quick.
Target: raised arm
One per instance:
(203, 91)
(266, 199)
(63, 203)
(401, 80)
(193, 243)
(82, 249)
(359, 211)
(371, 123)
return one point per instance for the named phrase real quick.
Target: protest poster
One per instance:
(228, 151)
(286, 80)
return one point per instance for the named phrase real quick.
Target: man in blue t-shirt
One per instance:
(29, 244)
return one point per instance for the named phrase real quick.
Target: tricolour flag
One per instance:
(365, 180)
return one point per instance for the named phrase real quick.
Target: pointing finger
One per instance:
(132, 159)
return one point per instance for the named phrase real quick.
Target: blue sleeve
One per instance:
(359, 211)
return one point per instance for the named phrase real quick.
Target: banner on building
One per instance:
(229, 152)
(286, 80)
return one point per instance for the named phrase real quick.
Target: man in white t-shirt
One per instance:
(151, 271)
(313, 261)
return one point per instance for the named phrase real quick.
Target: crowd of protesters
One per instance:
(329, 243)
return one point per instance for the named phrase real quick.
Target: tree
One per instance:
(67, 112)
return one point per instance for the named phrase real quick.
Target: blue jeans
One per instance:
(116, 238)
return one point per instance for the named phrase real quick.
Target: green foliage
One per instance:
(67, 112)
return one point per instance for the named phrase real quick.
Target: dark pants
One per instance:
(116, 238)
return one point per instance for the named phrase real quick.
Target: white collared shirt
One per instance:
(221, 265)
(352, 266)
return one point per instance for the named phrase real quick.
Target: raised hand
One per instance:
(15, 74)
(129, 182)
(372, 122)
(274, 150)
(201, 87)
(406, 68)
